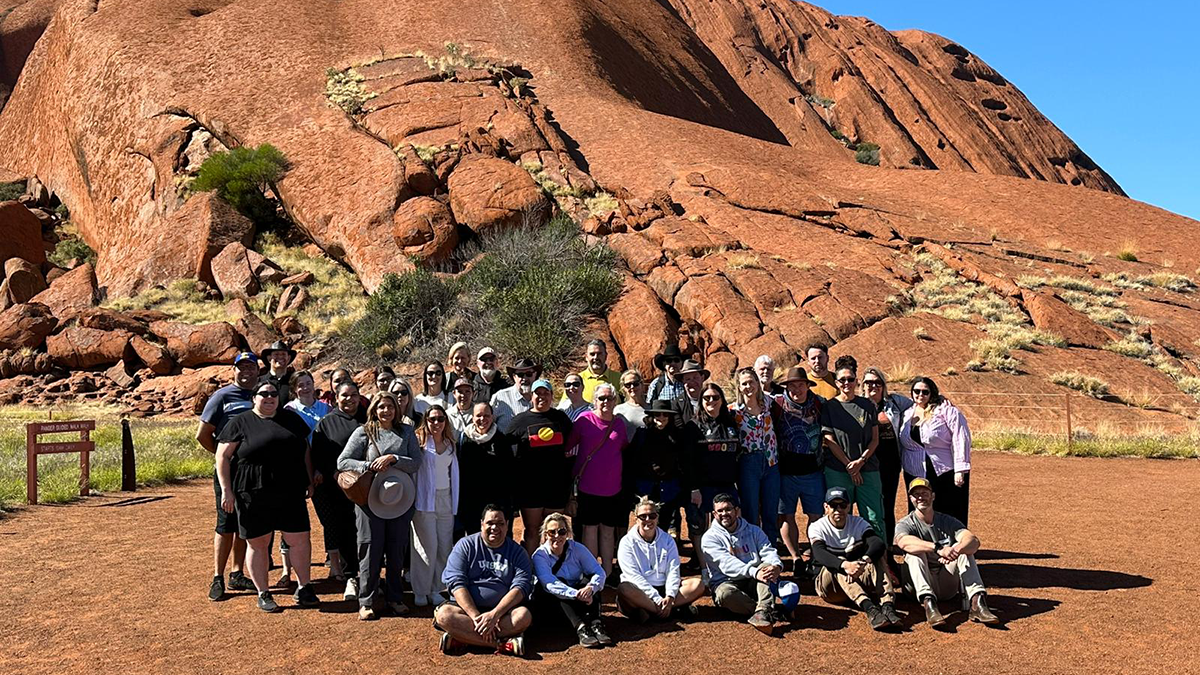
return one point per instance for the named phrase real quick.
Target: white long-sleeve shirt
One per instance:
(647, 564)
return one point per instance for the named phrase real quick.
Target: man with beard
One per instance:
(742, 565)
(515, 400)
(488, 381)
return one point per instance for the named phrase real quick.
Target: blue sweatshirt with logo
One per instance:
(488, 573)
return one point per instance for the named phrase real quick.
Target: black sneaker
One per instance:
(216, 590)
(600, 633)
(305, 596)
(875, 616)
(238, 581)
(889, 611)
(267, 604)
(586, 639)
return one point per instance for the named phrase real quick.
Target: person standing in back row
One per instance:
(937, 446)
(824, 382)
(278, 358)
(596, 370)
(543, 469)
(850, 426)
(488, 381)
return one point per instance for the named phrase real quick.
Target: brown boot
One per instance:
(980, 612)
(932, 615)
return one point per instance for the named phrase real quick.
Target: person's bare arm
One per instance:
(206, 437)
(225, 475)
(966, 542)
(915, 545)
(832, 444)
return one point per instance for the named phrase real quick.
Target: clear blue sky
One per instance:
(1122, 79)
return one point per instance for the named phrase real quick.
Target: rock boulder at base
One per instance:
(82, 348)
(423, 227)
(20, 234)
(239, 272)
(486, 193)
(72, 293)
(640, 326)
(1055, 316)
(22, 279)
(301, 279)
(292, 299)
(121, 376)
(193, 346)
(152, 354)
(107, 319)
(26, 326)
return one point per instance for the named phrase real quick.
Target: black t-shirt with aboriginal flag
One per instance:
(540, 436)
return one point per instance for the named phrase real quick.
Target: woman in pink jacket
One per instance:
(937, 446)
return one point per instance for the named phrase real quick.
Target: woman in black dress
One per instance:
(485, 470)
(333, 507)
(270, 487)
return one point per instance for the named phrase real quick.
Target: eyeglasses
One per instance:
(267, 394)
(647, 517)
(846, 380)
(572, 385)
(556, 532)
(920, 392)
(631, 385)
(604, 398)
(711, 397)
(839, 505)
(872, 383)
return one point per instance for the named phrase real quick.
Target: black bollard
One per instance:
(128, 463)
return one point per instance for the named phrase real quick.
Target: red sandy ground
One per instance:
(1090, 562)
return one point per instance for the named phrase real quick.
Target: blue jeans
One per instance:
(758, 486)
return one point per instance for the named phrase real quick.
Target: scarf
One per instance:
(471, 433)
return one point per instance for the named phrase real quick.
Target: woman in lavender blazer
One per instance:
(937, 446)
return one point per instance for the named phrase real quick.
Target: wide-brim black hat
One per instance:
(660, 406)
(525, 364)
(278, 346)
(670, 352)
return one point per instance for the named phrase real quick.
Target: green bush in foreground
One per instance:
(528, 294)
(71, 248)
(241, 176)
(867, 153)
(10, 191)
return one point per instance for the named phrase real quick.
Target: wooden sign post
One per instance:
(84, 446)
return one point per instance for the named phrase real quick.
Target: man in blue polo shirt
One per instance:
(489, 576)
(225, 404)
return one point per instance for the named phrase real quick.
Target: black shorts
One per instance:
(227, 523)
(264, 512)
(611, 511)
(542, 489)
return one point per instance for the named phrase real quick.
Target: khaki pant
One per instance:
(744, 596)
(942, 581)
(872, 584)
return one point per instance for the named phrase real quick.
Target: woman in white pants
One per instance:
(437, 503)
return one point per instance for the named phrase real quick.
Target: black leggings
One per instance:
(576, 613)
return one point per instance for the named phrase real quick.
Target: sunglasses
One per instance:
(434, 373)
(524, 373)
(647, 517)
(920, 392)
(839, 505)
(631, 385)
(438, 419)
(604, 398)
(403, 392)
(487, 358)
(267, 394)
(556, 532)
(572, 385)
(846, 380)
(871, 383)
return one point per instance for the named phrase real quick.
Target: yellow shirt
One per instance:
(825, 387)
(590, 381)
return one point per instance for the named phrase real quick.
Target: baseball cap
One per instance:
(484, 352)
(836, 493)
(542, 384)
(463, 382)
(244, 356)
(919, 482)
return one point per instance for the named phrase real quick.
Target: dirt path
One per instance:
(1087, 560)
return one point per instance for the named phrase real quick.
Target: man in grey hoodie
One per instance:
(742, 564)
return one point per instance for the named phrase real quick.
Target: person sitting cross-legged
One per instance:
(742, 565)
(651, 585)
(571, 579)
(489, 576)
(850, 555)
(939, 560)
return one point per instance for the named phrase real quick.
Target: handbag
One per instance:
(357, 484)
(573, 501)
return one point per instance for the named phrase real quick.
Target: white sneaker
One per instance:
(351, 589)
(437, 599)
(421, 600)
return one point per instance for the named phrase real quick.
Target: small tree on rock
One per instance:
(241, 176)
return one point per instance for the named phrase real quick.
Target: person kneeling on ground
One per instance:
(571, 579)
(742, 564)
(489, 576)
(939, 561)
(850, 555)
(650, 581)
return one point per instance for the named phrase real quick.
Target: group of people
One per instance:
(420, 485)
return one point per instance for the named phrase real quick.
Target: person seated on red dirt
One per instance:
(939, 560)
(742, 565)
(850, 555)
(651, 585)
(489, 577)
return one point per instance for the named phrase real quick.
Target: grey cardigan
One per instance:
(399, 441)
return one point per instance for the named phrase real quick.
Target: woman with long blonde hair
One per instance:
(437, 504)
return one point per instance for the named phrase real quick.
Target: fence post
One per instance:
(128, 460)
(1070, 432)
(31, 486)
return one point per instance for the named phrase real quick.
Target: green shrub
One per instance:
(71, 248)
(1094, 387)
(240, 176)
(528, 294)
(867, 153)
(10, 191)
